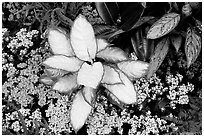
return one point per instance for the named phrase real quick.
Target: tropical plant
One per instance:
(82, 63)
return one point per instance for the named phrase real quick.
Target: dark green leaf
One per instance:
(141, 21)
(176, 41)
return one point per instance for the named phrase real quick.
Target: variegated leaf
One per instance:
(90, 75)
(79, 112)
(89, 95)
(113, 99)
(66, 84)
(55, 73)
(160, 52)
(46, 80)
(133, 69)
(192, 46)
(112, 54)
(82, 39)
(124, 92)
(71, 64)
(176, 41)
(102, 44)
(59, 42)
(111, 76)
(163, 26)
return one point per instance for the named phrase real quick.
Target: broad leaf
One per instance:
(163, 26)
(46, 80)
(55, 73)
(111, 75)
(102, 44)
(89, 95)
(124, 92)
(192, 46)
(66, 84)
(83, 40)
(160, 52)
(90, 75)
(133, 69)
(59, 42)
(112, 54)
(71, 64)
(176, 41)
(79, 112)
(142, 21)
(109, 11)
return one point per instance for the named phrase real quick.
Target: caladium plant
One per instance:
(82, 62)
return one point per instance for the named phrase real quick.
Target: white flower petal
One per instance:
(82, 39)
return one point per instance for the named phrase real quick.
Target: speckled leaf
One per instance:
(112, 54)
(176, 41)
(71, 64)
(90, 75)
(46, 80)
(163, 26)
(192, 46)
(79, 112)
(83, 39)
(160, 52)
(133, 69)
(66, 84)
(59, 42)
(111, 76)
(124, 92)
(89, 95)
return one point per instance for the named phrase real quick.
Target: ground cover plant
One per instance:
(101, 68)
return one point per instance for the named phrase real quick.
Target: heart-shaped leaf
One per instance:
(160, 52)
(176, 41)
(109, 11)
(163, 26)
(89, 95)
(59, 42)
(79, 112)
(124, 92)
(83, 40)
(70, 64)
(112, 54)
(66, 84)
(102, 44)
(192, 46)
(46, 80)
(133, 69)
(111, 76)
(90, 75)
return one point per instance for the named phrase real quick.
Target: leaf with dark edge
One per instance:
(163, 26)
(192, 46)
(89, 95)
(109, 11)
(113, 99)
(176, 41)
(160, 52)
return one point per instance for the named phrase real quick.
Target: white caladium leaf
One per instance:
(90, 75)
(111, 76)
(82, 39)
(46, 80)
(133, 69)
(102, 44)
(66, 84)
(79, 112)
(112, 54)
(124, 92)
(163, 26)
(59, 42)
(71, 64)
(89, 95)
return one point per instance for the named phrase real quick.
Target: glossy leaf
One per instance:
(66, 84)
(109, 11)
(90, 75)
(112, 54)
(102, 44)
(46, 80)
(82, 39)
(192, 46)
(89, 95)
(163, 26)
(79, 112)
(160, 52)
(124, 92)
(133, 69)
(176, 41)
(71, 64)
(111, 75)
(59, 42)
